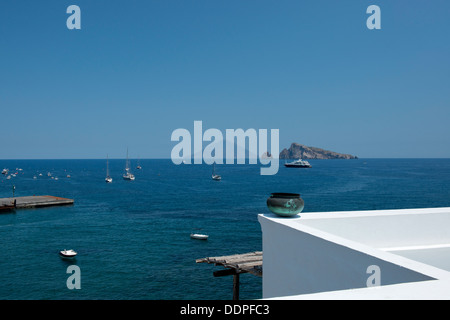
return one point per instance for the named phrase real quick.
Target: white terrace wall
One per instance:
(309, 261)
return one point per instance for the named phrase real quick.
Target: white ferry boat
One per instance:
(298, 164)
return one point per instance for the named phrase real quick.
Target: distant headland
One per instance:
(299, 151)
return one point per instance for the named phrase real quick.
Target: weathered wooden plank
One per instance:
(247, 262)
(240, 256)
(259, 253)
(249, 265)
(256, 271)
(231, 258)
(236, 264)
(243, 260)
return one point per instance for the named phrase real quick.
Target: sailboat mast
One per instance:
(107, 165)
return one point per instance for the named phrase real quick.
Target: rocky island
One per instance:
(299, 151)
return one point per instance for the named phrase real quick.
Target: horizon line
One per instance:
(359, 158)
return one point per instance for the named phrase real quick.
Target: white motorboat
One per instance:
(5, 171)
(199, 236)
(298, 164)
(68, 254)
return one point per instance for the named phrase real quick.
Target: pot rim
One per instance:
(285, 195)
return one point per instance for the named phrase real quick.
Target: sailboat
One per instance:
(214, 175)
(108, 179)
(128, 175)
(138, 166)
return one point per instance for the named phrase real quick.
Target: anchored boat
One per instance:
(215, 176)
(199, 236)
(128, 175)
(298, 164)
(67, 254)
(108, 178)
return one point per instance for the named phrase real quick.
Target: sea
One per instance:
(133, 237)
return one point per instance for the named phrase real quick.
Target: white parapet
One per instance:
(324, 252)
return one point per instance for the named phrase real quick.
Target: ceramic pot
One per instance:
(285, 204)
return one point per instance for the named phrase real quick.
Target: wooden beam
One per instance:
(234, 257)
(225, 272)
(235, 265)
(236, 286)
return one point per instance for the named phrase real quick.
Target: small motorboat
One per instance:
(199, 236)
(67, 254)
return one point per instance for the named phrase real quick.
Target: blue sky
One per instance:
(137, 70)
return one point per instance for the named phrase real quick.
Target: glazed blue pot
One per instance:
(285, 204)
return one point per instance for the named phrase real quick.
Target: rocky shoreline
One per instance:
(299, 151)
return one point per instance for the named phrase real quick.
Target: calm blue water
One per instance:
(133, 238)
